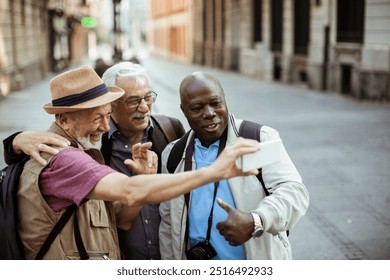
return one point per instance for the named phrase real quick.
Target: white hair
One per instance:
(125, 69)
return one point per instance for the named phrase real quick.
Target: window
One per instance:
(350, 21)
(301, 26)
(276, 25)
(257, 17)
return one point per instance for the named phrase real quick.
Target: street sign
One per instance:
(88, 22)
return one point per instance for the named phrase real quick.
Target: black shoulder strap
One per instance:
(166, 126)
(106, 148)
(177, 152)
(251, 130)
(57, 229)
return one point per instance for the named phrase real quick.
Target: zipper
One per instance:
(104, 256)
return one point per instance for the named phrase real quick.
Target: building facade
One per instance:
(334, 45)
(38, 36)
(169, 29)
(23, 43)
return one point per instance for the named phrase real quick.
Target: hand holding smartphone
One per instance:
(270, 152)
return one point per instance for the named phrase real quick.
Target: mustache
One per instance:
(140, 115)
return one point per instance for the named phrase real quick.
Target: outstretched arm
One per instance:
(154, 188)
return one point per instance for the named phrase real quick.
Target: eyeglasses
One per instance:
(133, 102)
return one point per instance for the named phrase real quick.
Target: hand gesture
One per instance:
(32, 143)
(238, 226)
(144, 160)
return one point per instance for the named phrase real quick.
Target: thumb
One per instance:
(224, 205)
(130, 163)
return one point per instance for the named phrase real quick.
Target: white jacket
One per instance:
(280, 211)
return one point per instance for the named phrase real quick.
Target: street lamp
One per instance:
(117, 56)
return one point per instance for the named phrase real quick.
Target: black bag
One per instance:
(10, 243)
(11, 247)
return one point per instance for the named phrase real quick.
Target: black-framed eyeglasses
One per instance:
(133, 102)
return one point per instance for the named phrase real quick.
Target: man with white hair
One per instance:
(131, 122)
(81, 103)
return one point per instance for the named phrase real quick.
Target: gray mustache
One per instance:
(140, 115)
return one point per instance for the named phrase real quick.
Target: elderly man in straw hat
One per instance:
(81, 104)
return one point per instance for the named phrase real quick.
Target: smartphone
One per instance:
(270, 152)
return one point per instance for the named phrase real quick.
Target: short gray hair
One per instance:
(125, 69)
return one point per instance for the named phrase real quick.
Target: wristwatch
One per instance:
(258, 229)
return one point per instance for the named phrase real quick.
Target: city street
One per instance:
(339, 145)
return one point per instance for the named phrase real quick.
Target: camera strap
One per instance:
(210, 220)
(188, 167)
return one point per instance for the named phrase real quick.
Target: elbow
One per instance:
(134, 198)
(131, 201)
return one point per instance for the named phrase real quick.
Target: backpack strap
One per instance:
(166, 126)
(55, 231)
(251, 130)
(71, 210)
(106, 148)
(79, 241)
(176, 153)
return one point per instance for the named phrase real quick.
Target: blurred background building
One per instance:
(338, 46)
(331, 45)
(39, 36)
(171, 29)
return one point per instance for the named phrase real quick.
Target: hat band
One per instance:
(78, 98)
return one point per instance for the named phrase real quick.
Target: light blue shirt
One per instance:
(200, 206)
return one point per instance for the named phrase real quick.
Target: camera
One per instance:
(201, 251)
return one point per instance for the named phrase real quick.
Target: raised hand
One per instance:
(225, 165)
(144, 160)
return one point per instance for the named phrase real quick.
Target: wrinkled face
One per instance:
(128, 118)
(203, 104)
(87, 126)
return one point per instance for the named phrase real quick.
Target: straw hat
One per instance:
(79, 89)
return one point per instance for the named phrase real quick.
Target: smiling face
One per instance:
(203, 104)
(132, 120)
(87, 126)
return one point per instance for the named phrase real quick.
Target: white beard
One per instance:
(88, 144)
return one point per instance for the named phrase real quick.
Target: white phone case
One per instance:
(270, 152)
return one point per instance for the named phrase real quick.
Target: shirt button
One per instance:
(126, 146)
(150, 242)
(146, 221)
